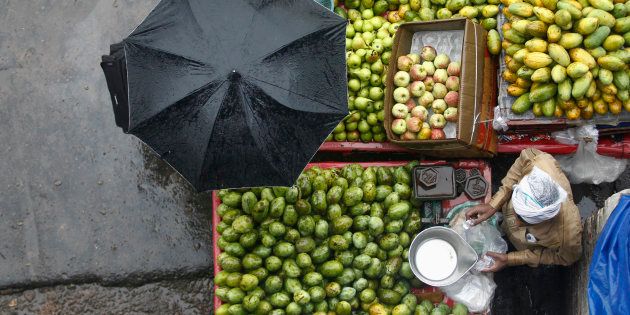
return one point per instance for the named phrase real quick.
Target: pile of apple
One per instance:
(426, 95)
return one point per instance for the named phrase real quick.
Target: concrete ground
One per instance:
(90, 220)
(87, 213)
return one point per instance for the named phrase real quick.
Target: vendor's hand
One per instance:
(480, 213)
(500, 262)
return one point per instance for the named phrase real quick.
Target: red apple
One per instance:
(428, 83)
(450, 114)
(401, 78)
(439, 90)
(452, 83)
(411, 104)
(416, 88)
(415, 58)
(428, 53)
(399, 126)
(426, 99)
(417, 73)
(400, 110)
(402, 95)
(452, 99)
(439, 106)
(420, 112)
(440, 76)
(408, 135)
(404, 63)
(437, 121)
(437, 134)
(414, 124)
(429, 67)
(441, 61)
(454, 68)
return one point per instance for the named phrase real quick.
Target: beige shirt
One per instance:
(557, 241)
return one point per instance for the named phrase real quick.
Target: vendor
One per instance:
(539, 215)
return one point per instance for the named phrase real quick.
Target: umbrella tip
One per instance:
(234, 75)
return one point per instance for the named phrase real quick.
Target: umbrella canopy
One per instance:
(235, 93)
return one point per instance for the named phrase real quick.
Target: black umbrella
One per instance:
(234, 93)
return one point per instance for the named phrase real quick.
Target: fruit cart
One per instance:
(475, 168)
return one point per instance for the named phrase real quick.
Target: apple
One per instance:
(408, 135)
(417, 72)
(401, 78)
(404, 63)
(399, 126)
(411, 104)
(440, 76)
(452, 99)
(426, 125)
(437, 134)
(454, 68)
(441, 61)
(414, 124)
(439, 90)
(439, 106)
(452, 83)
(428, 53)
(426, 99)
(420, 112)
(402, 95)
(425, 133)
(437, 121)
(400, 110)
(428, 67)
(450, 114)
(428, 83)
(415, 58)
(417, 88)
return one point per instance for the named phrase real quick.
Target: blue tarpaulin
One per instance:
(609, 273)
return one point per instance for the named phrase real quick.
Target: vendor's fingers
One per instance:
(493, 254)
(482, 216)
(472, 212)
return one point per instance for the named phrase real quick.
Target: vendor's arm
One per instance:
(569, 251)
(564, 256)
(514, 175)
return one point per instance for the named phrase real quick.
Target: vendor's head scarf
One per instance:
(537, 197)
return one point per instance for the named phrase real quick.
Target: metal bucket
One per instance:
(466, 255)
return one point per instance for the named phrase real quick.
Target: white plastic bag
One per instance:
(476, 289)
(586, 165)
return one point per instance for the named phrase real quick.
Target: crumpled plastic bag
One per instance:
(476, 289)
(586, 165)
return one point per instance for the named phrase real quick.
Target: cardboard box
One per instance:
(474, 134)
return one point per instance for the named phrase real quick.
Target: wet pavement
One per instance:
(79, 200)
(90, 219)
(175, 297)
